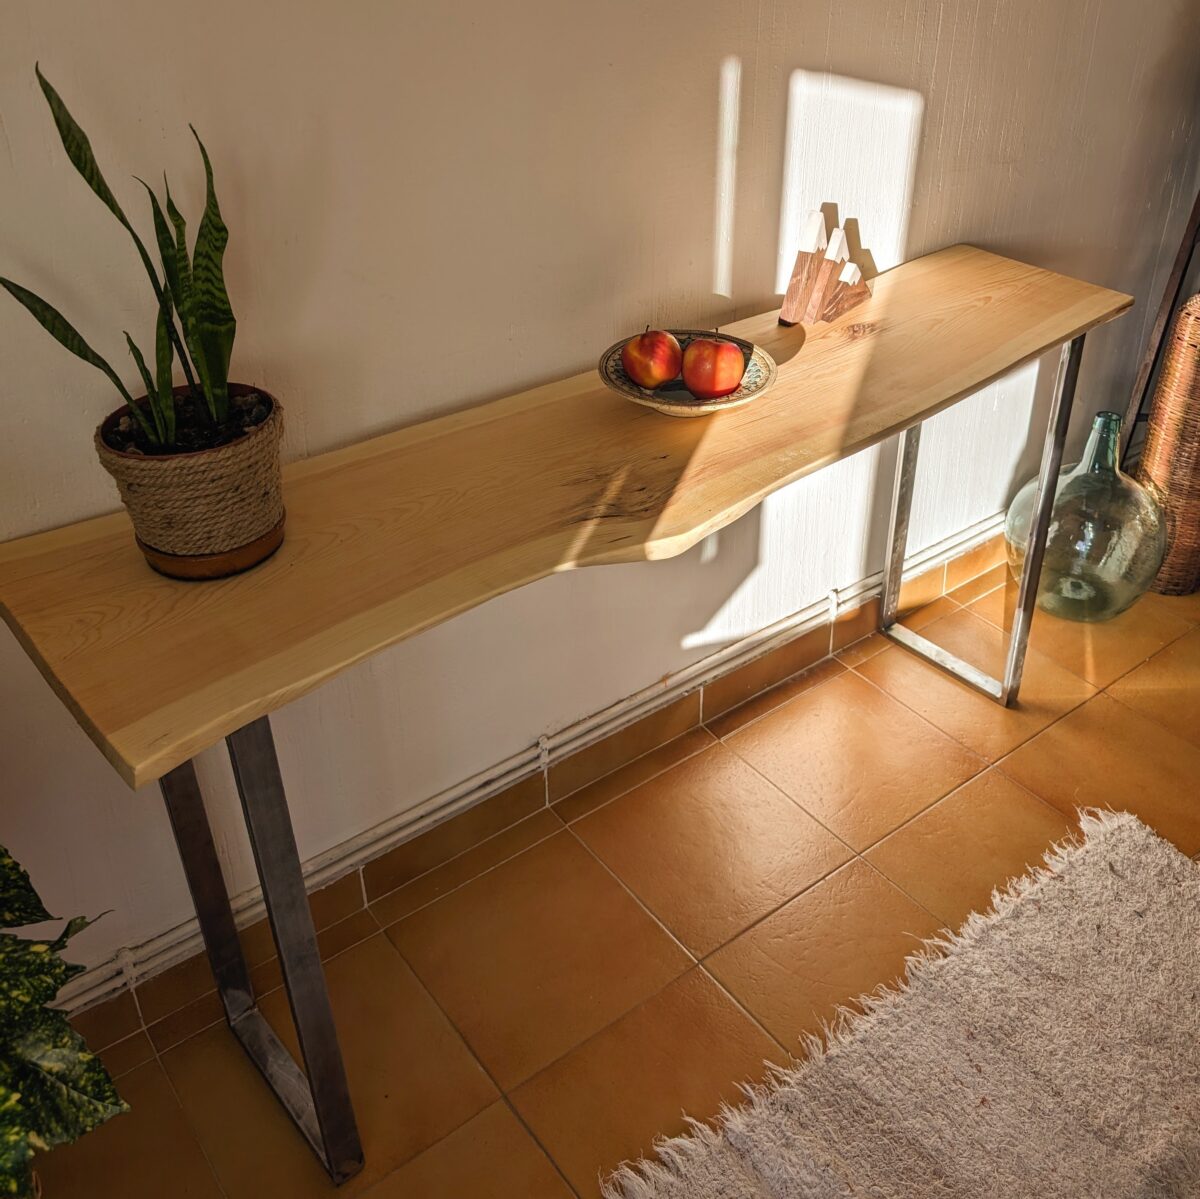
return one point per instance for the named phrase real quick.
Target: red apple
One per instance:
(652, 358)
(712, 368)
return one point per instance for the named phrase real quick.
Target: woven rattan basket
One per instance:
(208, 513)
(1170, 461)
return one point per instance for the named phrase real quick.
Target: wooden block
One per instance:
(813, 241)
(826, 277)
(835, 254)
(849, 291)
(804, 274)
(845, 297)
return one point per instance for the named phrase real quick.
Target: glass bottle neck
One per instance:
(1102, 453)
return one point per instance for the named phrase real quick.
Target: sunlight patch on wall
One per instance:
(729, 103)
(852, 143)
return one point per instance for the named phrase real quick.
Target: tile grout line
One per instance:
(778, 707)
(508, 828)
(715, 740)
(467, 881)
(502, 1094)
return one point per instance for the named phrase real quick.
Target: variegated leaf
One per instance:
(214, 319)
(163, 356)
(31, 974)
(61, 1082)
(63, 332)
(19, 902)
(17, 1145)
(184, 303)
(155, 432)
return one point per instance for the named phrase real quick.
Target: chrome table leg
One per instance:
(1003, 690)
(319, 1101)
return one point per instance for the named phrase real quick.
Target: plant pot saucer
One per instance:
(194, 567)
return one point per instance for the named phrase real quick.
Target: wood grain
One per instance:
(398, 533)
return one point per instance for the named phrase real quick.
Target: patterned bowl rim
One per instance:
(691, 406)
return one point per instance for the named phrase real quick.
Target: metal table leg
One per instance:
(319, 1101)
(1005, 691)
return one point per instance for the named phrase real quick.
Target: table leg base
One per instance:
(317, 1098)
(1003, 691)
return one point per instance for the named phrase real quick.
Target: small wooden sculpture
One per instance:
(824, 283)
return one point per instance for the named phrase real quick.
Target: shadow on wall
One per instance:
(853, 144)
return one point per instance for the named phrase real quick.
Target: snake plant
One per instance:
(190, 291)
(52, 1089)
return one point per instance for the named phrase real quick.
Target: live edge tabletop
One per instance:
(398, 533)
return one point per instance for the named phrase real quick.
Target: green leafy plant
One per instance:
(52, 1088)
(190, 291)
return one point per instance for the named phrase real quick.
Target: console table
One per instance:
(398, 533)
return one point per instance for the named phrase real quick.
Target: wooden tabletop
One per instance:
(398, 533)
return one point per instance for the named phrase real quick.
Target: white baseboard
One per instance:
(137, 963)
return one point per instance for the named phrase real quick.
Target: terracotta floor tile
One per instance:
(768, 701)
(108, 1022)
(534, 956)
(928, 613)
(123, 1056)
(854, 624)
(835, 942)
(614, 751)
(859, 651)
(148, 1153)
(1185, 606)
(876, 643)
(331, 941)
(765, 671)
(462, 869)
(855, 758)
(186, 1021)
(710, 847)
(1107, 755)
(919, 591)
(489, 1157)
(1099, 652)
(983, 584)
(174, 987)
(447, 840)
(978, 722)
(683, 1051)
(976, 561)
(1167, 688)
(412, 1078)
(954, 854)
(588, 798)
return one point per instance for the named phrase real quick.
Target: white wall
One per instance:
(433, 205)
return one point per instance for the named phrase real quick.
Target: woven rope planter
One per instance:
(206, 513)
(1170, 461)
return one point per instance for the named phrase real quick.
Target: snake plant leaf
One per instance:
(16, 1143)
(165, 240)
(61, 1080)
(183, 301)
(19, 902)
(163, 355)
(79, 151)
(63, 331)
(155, 431)
(163, 237)
(31, 974)
(214, 319)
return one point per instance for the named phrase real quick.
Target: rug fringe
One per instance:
(646, 1178)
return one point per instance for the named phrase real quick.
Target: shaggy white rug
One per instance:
(1050, 1049)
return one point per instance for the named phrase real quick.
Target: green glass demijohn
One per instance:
(1107, 536)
